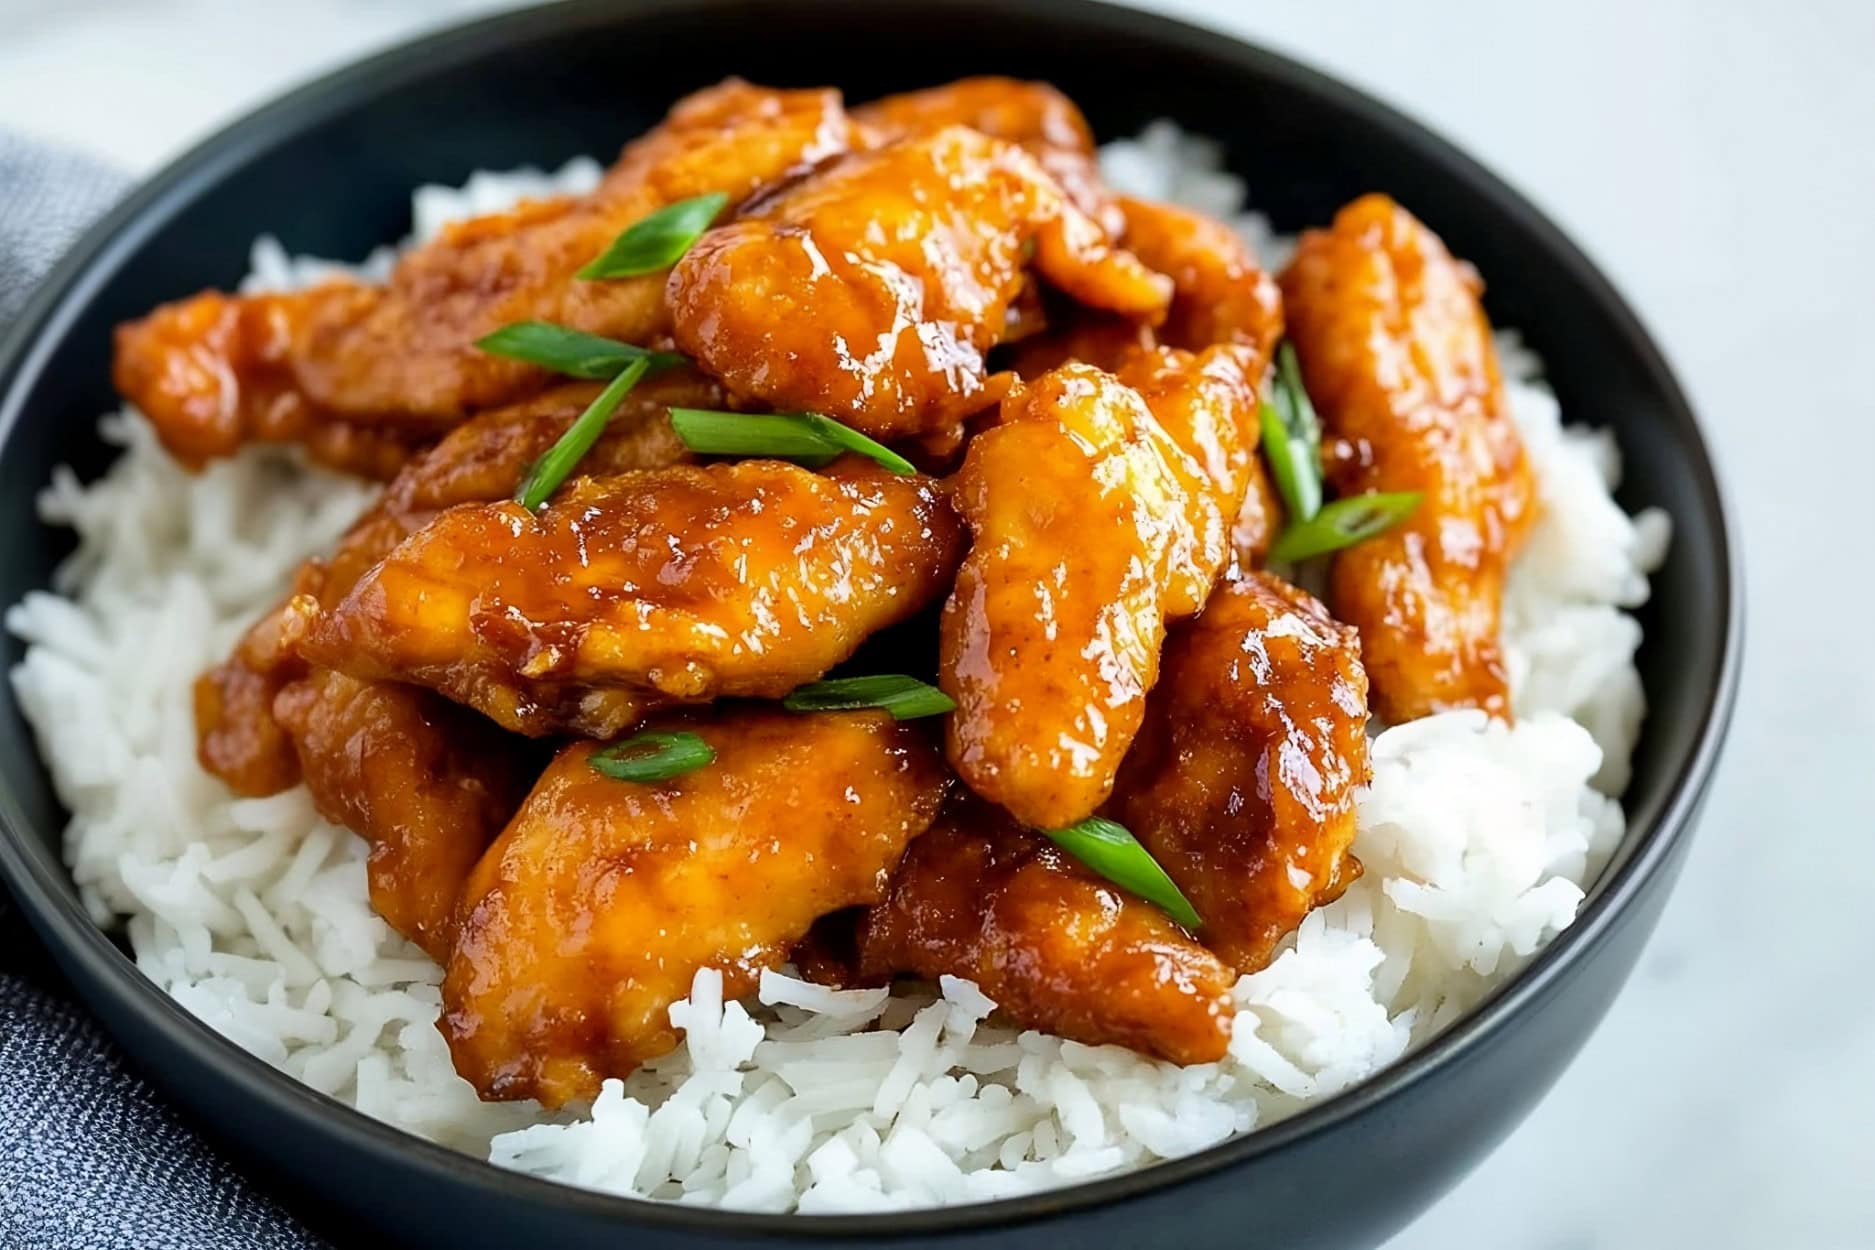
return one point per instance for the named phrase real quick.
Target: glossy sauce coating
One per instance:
(399, 360)
(602, 899)
(1396, 354)
(872, 290)
(237, 737)
(215, 371)
(1050, 639)
(1220, 293)
(426, 782)
(1259, 520)
(1055, 946)
(1242, 781)
(1032, 115)
(1207, 405)
(687, 583)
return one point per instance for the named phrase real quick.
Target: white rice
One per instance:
(1478, 840)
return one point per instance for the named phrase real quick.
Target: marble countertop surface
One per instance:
(1715, 157)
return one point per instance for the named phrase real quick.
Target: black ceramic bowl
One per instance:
(329, 169)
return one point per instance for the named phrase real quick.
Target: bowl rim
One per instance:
(39, 879)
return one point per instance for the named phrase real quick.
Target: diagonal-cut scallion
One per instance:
(1344, 523)
(906, 698)
(1110, 849)
(652, 756)
(1292, 440)
(658, 241)
(572, 352)
(804, 437)
(546, 474)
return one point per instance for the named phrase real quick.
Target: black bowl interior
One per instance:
(329, 171)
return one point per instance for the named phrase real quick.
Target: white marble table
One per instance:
(1715, 156)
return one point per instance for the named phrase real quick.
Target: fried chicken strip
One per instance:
(1242, 780)
(426, 782)
(1032, 115)
(387, 366)
(602, 899)
(1055, 946)
(1396, 354)
(872, 290)
(1091, 526)
(1220, 294)
(682, 584)
(238, 738)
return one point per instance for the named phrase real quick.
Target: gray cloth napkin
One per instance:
(91, 1157)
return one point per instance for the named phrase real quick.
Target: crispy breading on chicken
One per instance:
(1055, 946)
(358, 371)
(682, 584)
(872, 290)
(602, 899)
(237, 737)
(1396, 354)
(1033, 115)
(1242, 780)
(1091, 526)
(426, 782)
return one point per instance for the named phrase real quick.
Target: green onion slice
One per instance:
(1344, 523)
(652, 756)
(1111, 850)
(906, 698)
(805, 437)
(1292, 440)
(658, 240)
(546, 474)
(572, 352)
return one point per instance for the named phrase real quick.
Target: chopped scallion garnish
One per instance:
(652, 756)
(805, 437)
(1344, 523)
(1292, 440)
(1111, 850)
(657, 241)
(906, 698)
(546, 474)
(572, 352)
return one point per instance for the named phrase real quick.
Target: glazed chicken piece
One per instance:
(602, 899)
(1242, 781)
(1032, 115)
(1207, 406)
(214, 371)
(384, 366)
(1091, 526)
(872, 290)
(1057, 948)
(1259, 520)
(1397, 357)
(426, 782)
(1220, 294)
(1102, 341)
(681, 584)
(238, 738)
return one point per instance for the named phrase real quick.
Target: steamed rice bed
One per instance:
(1477, 838)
